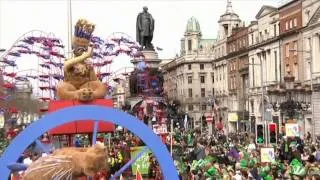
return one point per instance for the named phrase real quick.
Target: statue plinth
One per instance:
(150, 57)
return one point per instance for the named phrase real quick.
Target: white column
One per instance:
(278, 65)
(273, 64)
(315, 53)
(250, 73)
(268, 68)
(258, 70)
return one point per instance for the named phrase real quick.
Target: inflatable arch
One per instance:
(97, 113)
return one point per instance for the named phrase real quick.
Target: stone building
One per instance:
(227, 22)
(264, 57)
(188, 78)
(310, 51)
(237, 49)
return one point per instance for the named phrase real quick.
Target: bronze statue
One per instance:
(145, 28)
(80, 81)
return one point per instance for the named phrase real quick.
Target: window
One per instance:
(189, 66)
(276, 65)
(201, 66)
(308, 65)
(189, 79)
(260, 34)
(295, 22)
(287, 25)
(308, 44)
(291, 24)
(202, 79)
(252, 38)
(212, 78)
(189, 45)
(275, 30)
(203, 92)
(190, 107)
(204, 107)
(190, 92)
(295, 48)
(287, 50)
(212, 92)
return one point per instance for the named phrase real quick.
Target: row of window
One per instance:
(275, 55)
(202, 79)
(190, 66)
(265, 35)
(292, 23)
(203, 107)
(203, 92)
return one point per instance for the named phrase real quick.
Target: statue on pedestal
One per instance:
(80, 80)
(145, 28)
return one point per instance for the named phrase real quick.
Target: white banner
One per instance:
(160, 129)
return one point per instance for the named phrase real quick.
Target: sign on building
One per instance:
(233, 117)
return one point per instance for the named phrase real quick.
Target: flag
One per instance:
(138, 175)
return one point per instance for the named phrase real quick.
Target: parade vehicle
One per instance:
(75, 92)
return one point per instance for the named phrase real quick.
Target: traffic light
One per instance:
(272, 133)
(260, 134)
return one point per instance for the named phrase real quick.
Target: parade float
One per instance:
(77, 104)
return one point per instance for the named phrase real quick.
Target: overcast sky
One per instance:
(18, 17)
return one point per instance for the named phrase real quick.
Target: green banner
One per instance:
(142, 163)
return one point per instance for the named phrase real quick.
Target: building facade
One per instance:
(264, 61)
(311, 59)
(227, 22)
(238, 76)
(188, 78)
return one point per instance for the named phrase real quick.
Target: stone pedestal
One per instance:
(151, 58)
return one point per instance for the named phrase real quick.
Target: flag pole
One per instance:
(69, 54)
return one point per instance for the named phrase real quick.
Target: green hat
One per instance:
(211, 172)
